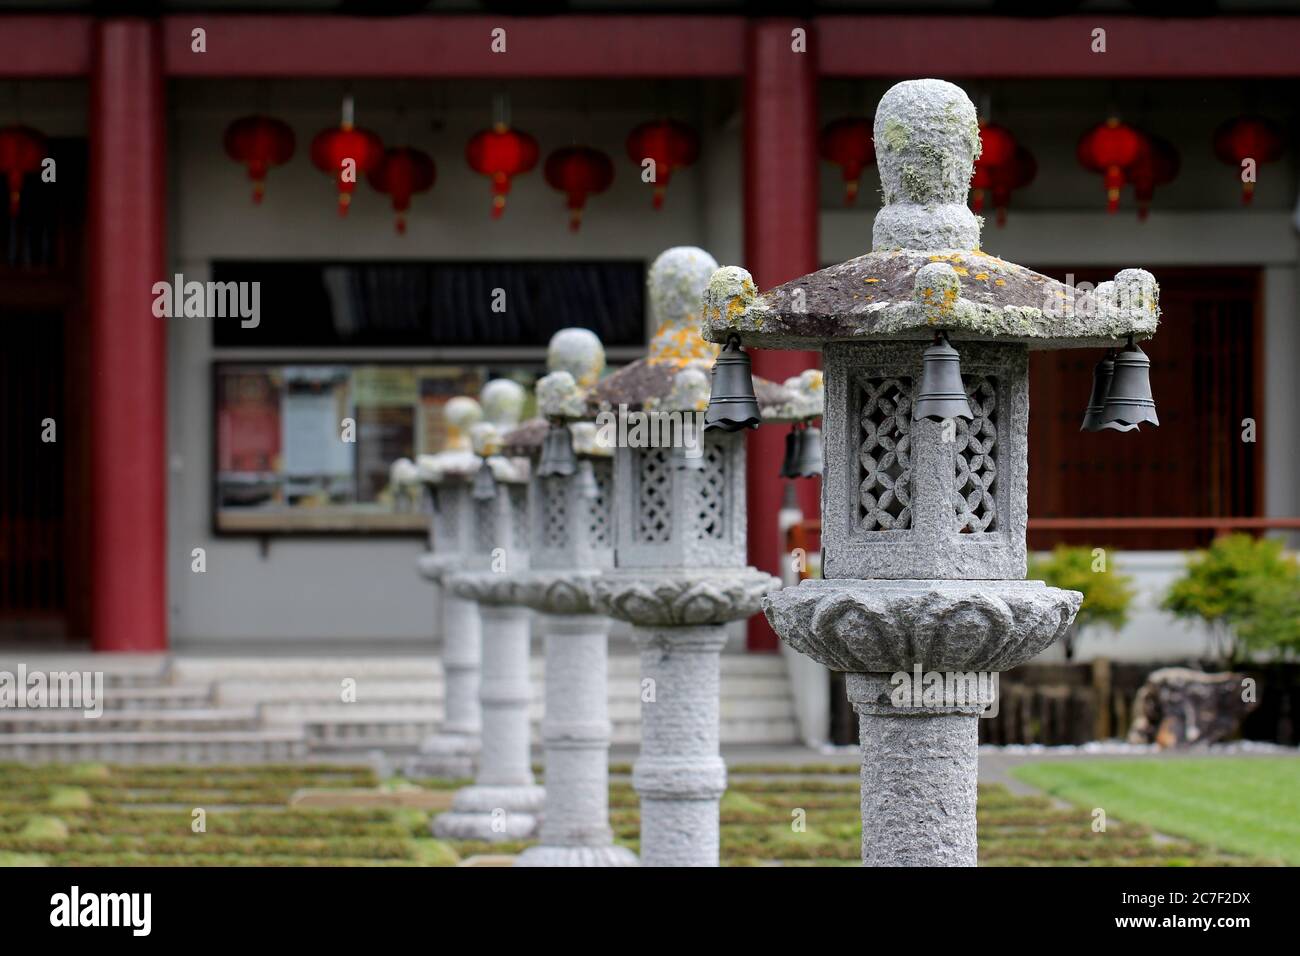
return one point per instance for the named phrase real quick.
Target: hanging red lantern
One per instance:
(259, 142)
(849, 144)
(672, 146)
(402, 173)
(997, 148)
(1157, 165)
(334, 149)
(1107, 148)
(1248, 137)
(22, 149)
(501, 153)
(578, 172)
(1015, 174)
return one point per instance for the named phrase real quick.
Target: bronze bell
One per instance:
(942, 394)
(485, 483)
(1129, 400)
(732, 403)
(803, 453)
(793, 442)
(588, 486)
(1101, 379)
(557, 452)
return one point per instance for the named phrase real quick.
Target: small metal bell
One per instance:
(942, 394)
(809, 462)
(1101, 379)
(732, 403)
(793, 443)
(485, 483)
(588, 487)
(557, 452)
(1129, 400)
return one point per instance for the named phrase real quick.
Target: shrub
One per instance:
(1247, 591)
(1107, 594)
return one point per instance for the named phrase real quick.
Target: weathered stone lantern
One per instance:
(923, 520)
(680, 574)
(446, 478)
(572, 498)
(504, 802)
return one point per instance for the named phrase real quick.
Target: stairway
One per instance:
(246, 709)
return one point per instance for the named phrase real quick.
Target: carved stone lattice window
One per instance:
(974, 496)
(885, 455)
(518, 516)
(601, 511)
(654, 481)
(555, 514)
(485, 524)
(713, 494)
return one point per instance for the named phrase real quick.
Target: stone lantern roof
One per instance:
(676, 282)
(926, 270)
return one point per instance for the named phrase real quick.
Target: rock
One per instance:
(1180, 707)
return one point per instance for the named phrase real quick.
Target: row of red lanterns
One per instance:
(1122, 154)
(499, 153)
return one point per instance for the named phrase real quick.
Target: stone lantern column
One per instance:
(504, 802)
(446, 478)
(573, 540)
(680, 575)
(923, 600)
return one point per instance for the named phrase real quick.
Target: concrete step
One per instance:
(127, 720)
(314, 690)
(208, 747)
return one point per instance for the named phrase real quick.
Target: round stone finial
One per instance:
(578, 352)
(558, 396)
(676, 284)
(460, 414)
(927, 138)
(485, 439)
(503, 402)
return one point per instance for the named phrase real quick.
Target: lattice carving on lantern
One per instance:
(713, 494)
(601, 512)
(555, 513)
(885, 454)
(654, 483)
(974, 496)
(485, 525)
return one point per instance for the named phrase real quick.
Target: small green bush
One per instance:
(1107, 594)
(1247, 591)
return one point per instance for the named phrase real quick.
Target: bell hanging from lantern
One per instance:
(793, 442)
(588, 487)
(732, 403)
(1101, 379)
(803, 453)
(485, 483)
(942, 394)
(1129, 400)
(557, 453)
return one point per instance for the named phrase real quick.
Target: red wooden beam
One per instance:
(44, 47)
(128, 388)
(968, 46)
(446, 46)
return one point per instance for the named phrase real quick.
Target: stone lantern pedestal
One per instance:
(923, 600)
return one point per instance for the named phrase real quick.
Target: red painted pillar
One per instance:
(128, 389)
(780, 244)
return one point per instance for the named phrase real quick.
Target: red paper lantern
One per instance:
(997, 148)
(259, 142)
(333, 149)
(1247, 137)
(402, 173)
(672, 146)
(1107, 148)
(22, 149)
(501, 153)
(578, 172)
(1014, 174)
(1157, 164)
(849, 144)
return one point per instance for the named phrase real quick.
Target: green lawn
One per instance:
(1248, 806)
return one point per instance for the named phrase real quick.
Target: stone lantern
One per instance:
(572, 497)
(679, 573)
(446, 478)
(504, 801)
(923, 598)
